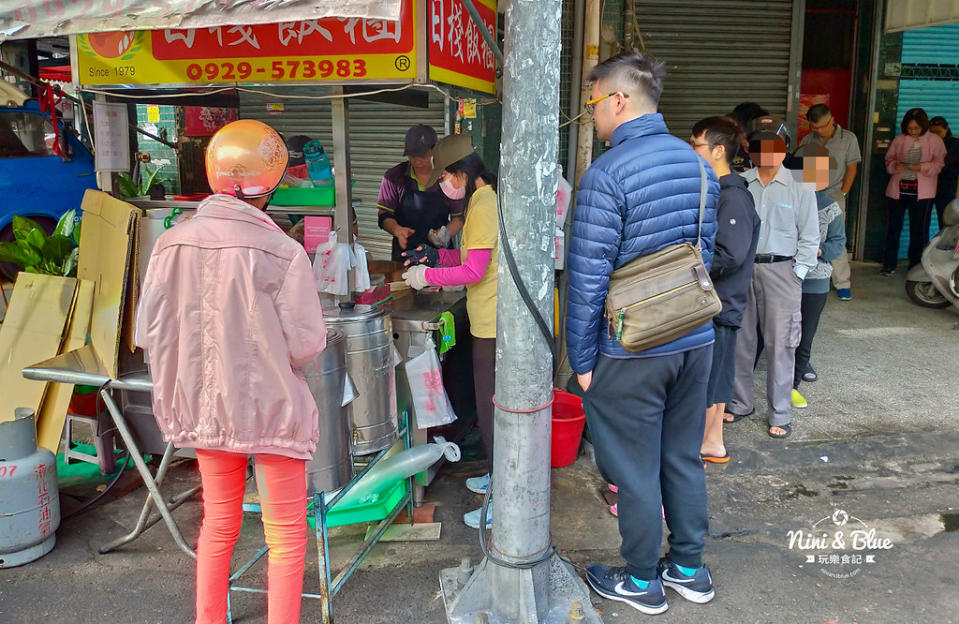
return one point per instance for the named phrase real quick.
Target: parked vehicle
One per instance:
(34, 181)
(935, 283)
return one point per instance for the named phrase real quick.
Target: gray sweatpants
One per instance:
(774, 309)
(841, 273)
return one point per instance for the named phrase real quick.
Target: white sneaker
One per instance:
(472, 518)
(478, 485)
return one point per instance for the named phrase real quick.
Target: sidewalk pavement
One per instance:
(878, 441)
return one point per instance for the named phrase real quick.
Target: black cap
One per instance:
(939, 121)
(420, 139)
(768, 124)
(295, 145)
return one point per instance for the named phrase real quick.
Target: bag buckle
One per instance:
(703, 277)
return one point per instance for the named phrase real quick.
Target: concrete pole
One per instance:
(546, 592)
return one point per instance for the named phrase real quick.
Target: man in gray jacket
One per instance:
(788, 244)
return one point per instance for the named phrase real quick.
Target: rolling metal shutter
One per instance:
(377, 131)
(718, 54)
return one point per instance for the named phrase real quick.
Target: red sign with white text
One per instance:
(458, 55)
(334, 49)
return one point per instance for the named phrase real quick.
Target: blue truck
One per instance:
(34, 181)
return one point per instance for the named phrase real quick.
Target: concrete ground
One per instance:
(878, 441)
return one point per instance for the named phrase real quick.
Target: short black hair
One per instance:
(721, 130)
(633, 69)
(746, 112)
(816, 112)
(919, 116)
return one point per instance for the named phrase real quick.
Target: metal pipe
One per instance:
(488, 37)
(368, 545)
(584, 153)
(862, 214)
(148, 481)
(575, 86)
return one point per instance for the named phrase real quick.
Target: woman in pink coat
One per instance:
(228, 312)
(913, 160)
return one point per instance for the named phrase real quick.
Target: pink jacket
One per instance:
(228, 309)
(933, 157)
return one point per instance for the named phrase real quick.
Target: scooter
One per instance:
(935, 282)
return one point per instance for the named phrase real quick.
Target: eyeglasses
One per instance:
(693, 144)
(591, 105)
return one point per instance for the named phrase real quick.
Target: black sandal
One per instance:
(780, 436)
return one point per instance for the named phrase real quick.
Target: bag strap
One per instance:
(702, 201)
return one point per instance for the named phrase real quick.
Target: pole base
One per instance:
(542, 595)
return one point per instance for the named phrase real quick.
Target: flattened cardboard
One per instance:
(106, 250)
(32, 332)
(53, 412)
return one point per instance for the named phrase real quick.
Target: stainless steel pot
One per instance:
(369, 360)
(332, 465)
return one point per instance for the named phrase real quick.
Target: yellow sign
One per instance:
(328, 49)
(153, 113)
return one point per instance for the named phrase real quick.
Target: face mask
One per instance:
(451, 191)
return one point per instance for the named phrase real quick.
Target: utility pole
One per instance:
(547, 590)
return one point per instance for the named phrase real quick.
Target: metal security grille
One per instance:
(377, 131)
(718, 54)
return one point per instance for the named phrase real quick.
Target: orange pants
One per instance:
(281, 482)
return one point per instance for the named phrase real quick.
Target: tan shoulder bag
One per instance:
(662, 296)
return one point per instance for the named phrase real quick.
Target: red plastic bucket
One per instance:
(568, 421)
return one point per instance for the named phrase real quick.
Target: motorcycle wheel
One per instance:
(925, 294)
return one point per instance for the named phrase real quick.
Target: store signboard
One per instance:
(458, 55)
(330, 49)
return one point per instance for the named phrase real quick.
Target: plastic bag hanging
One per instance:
(331, 266)
(431, 405)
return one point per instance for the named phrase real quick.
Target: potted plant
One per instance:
(128, 189)
(35, 252)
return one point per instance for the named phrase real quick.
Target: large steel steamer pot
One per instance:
(369, 360)
(332, 464)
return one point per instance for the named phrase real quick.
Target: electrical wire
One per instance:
(544, 327)
(484, 545)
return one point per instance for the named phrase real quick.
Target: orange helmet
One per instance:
(246, 158)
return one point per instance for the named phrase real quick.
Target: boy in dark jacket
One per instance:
(645, 409)
(717, 139)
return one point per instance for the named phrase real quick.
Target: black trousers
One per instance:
(484, 383)
(812, 307)
(920, 211)
(646, 418)
(941, 202)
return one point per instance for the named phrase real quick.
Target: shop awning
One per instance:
(910, 14)
(27, 19)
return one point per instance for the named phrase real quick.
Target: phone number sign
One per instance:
(329, 49)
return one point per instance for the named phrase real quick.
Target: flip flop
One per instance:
(715, 459)
(736, 417)
(780, 436)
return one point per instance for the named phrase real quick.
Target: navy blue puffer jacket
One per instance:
(641, 196)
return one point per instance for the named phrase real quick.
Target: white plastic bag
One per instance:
(361, 271)
(331, 266)
(431, 405)
(564, 194)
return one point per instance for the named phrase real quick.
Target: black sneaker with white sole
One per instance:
(617, 584)
(697, 588)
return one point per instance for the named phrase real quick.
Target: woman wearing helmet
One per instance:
(228, 312)
(463, 176)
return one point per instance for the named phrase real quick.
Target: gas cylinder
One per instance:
(29, 499)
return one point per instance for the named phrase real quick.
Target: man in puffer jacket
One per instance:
(645, 410)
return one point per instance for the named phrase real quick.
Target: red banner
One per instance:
(325, 37)
(458, 54)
